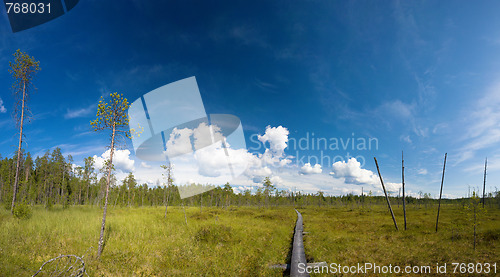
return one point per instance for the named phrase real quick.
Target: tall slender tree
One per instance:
(111, 117)
(168, 175)
(403, 178)
(268, 189)
(87, 173)
(23, 70)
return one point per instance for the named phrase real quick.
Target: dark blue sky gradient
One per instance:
(415, 75)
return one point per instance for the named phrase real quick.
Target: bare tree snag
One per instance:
(386, 197)
(441, 192)
(403, 178)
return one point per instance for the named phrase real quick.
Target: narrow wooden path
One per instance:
(298, 256)
(298, 252)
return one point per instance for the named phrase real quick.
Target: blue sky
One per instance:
(420, 77)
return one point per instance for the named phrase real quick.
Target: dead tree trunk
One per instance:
(386, 197)
(403, 178)
(441, 192)
(166, 203)
(484, 180)
(185, 217)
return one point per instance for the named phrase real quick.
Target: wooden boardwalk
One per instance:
(298, 252)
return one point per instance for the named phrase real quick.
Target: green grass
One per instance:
(350, 236)
(141, 242)
(240, 241)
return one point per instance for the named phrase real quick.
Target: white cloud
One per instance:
(392, 187)
(205, 135)
(308, 169)
(121, 160)
(74, 168)
(2, 107)
(277, 138)
(276, 181)
(179, 142)
(216, 160)
(270, 158)
(219, 162)
(258, 174)
(353, 173)
(241, 189)
(275, 154)
(212, 159)
(145, 165)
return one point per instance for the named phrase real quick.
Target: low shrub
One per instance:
(22, 211)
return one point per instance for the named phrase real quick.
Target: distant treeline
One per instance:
(51, 179)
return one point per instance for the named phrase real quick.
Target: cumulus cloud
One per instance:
(276, 180)
(216, 158)
(179, 142)
(212, 160)
(202, 154)
(2, 107)
(277, 138)
(392, 187)
(352, 172)
(121, 160)
(275, 154)
(205, 135)
(308, 169)
(145, 165)
(257, 174)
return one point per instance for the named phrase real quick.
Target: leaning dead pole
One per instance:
(386, 197)
(403, 179)
(484, 180)
(441, 192)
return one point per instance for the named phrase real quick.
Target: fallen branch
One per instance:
(74, 266)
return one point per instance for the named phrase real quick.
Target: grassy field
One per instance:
(350, 236)
(240, 241)
(141, 242)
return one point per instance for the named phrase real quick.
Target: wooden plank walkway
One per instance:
(298, 252)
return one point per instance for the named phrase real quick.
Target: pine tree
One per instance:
(23, 70)
(111, 116)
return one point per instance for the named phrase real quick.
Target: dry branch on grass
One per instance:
(64, 265)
